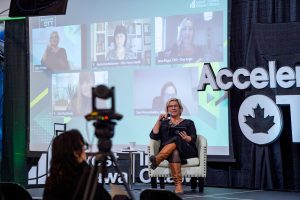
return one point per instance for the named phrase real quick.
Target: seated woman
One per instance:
(69, 171)
(175, 148)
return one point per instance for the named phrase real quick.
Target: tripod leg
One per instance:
(115, 164)
(91, 184)
(95, 182)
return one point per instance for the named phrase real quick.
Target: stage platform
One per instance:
(209, 193)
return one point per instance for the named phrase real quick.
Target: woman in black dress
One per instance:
(176, 148)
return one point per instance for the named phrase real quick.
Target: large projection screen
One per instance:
(148, 50)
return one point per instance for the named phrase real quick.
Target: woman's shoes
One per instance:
(164, 153)
(153, 162)
(177, 178)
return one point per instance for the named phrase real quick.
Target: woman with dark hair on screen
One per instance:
(167, 91)
(81, 102)
(175, 148)
(69, 171)
(185, 46)
(55, 58)
(120, 52)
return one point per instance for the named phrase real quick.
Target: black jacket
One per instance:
(77, 187)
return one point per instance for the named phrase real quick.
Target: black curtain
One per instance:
(15, 103)
(276, 166)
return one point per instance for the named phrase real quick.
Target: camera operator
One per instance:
(69, 171)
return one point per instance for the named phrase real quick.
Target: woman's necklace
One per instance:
(175, 122)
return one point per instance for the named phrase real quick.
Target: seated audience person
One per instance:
(69, 171)
(120, 52)
(55, 57)
(175, 148)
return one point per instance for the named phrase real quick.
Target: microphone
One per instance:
(167, 118)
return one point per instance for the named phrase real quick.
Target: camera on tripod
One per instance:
(104, 117)
(104, 130)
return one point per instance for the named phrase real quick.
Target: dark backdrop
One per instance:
(15, 103)
(271, 167)
(276, 166)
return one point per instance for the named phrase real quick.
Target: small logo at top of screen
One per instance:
(260, 119)
(195, 4)
(47, 21)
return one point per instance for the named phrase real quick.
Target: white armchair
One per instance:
(194, 169)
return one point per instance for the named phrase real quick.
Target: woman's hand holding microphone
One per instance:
(164, 116)
(161, 117)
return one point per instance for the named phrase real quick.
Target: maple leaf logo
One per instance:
(259, 124)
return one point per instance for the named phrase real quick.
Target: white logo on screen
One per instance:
(260, 119)
(196, 4)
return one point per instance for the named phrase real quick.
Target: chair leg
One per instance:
(153, 182)
(200, 184)
(193, 183)
(162, 182)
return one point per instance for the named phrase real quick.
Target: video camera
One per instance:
(103, 117)
(104, 131)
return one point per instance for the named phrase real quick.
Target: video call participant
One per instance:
(81, 102)
(69, 170)
(184, 47)
(120, 52)
(167, 91)
(177, 148)
(55, 58)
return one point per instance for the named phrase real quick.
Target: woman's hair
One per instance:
(120, 29)
(86, 76)
(179, 104)
(54, 32)
(78, 103)
(165, 86)
(180, 27)
(64, 161)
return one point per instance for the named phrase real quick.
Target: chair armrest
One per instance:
(202, 152)
(153, 147)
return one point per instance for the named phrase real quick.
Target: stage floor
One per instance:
(209, 193)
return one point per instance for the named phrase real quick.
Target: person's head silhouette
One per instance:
(120, 36)
(54, 39)
(168, 91)
(185, 34)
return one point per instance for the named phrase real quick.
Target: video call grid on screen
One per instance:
(143, 53)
